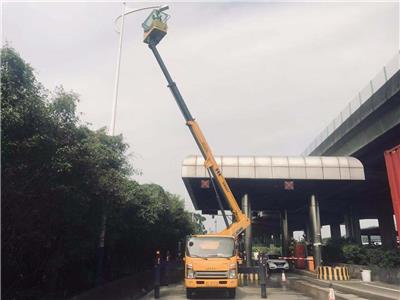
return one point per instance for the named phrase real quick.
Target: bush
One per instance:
(375, 255)
(355, 254)
(332, 252)
(383, 258)
(371, 255)
(272, 249)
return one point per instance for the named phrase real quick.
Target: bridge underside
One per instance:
(334, 196)
(370, 131)
(285, 194)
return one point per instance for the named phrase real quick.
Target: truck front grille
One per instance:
(211, 274)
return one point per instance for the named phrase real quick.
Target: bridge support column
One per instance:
(357, 229)
(285, 233)
(335, 231)
(316, 230)
(347, 225)
(352, 224)
(246, 206)
(386, 224)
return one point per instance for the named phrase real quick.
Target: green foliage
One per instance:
(345, 251)
(354, 254)
(272, 249)
(332, 251)
(58, 180)
(371, 255)
(199, 227)
(383, 258)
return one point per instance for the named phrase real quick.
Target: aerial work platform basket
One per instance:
(155, 27)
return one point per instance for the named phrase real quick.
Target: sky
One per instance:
(261, 78)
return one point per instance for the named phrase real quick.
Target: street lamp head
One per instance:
(163, 7)
(155, 25)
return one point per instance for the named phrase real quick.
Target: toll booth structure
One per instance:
(306, 191)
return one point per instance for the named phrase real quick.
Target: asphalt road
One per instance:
(276, 291)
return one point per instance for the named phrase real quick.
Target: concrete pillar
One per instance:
(246, 206)
(356, 228)
(335, 231)
(307, 231)
(291, 234)
(316, 230)
(386, 224)
(285, 233)
(348, 227)
(352, 224)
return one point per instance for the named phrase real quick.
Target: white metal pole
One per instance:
(115, 98)
(100, 255)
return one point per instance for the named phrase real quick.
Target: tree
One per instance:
(58, 176)
(199, 227)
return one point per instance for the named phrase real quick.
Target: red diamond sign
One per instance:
(205, 184)
(289, 185)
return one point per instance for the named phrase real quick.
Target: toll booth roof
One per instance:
(273, 181)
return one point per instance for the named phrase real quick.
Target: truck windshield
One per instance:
(210, 247)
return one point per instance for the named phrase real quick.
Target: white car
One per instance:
(274, 263)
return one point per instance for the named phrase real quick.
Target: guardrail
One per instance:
(374, 84)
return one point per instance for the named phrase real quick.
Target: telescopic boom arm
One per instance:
(241, 221)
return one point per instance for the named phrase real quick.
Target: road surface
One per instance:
(276, 291)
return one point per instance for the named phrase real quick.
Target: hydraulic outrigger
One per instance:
(155, 28)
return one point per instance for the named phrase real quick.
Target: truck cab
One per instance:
(211, 263)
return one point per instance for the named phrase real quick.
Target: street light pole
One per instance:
(111, 130)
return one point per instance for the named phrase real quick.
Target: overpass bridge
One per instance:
(368, 126)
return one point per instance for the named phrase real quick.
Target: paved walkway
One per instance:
(368, 290)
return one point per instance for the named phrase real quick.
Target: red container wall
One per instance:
(392, 159)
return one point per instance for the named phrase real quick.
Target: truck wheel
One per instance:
(232, 293)
(189, 293)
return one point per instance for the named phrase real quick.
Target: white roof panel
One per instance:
(279, 167)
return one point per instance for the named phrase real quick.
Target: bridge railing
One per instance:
(374, 84)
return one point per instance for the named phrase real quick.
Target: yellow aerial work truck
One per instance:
(211, 260)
